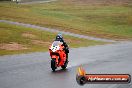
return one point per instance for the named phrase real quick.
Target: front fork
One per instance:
(56, 58)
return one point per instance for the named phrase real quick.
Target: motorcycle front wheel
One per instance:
(53, 65)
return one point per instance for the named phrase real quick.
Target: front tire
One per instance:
(53, 65)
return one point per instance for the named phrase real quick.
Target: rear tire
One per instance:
(53, 65)
(65, 64)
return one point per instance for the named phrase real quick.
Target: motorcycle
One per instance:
(58, 55)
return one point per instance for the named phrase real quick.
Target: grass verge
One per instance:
(17, 39)
(112, 21)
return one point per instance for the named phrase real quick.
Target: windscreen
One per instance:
(56, 43)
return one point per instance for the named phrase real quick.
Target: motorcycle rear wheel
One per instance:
(65, 64)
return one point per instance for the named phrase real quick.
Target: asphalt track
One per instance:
(25, 2)
(33, 70)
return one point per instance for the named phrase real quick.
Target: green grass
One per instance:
(105, 21)
(12, 33)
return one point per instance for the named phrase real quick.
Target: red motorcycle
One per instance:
(58, 55)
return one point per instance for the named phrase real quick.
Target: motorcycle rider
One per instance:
(59, 37)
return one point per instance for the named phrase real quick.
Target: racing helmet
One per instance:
(59, 36)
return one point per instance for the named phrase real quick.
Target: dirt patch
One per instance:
(40, 42)
(29, 35)
(12, 46)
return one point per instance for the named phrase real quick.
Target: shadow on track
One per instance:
(60, 71)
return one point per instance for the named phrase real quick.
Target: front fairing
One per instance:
(56, 46)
